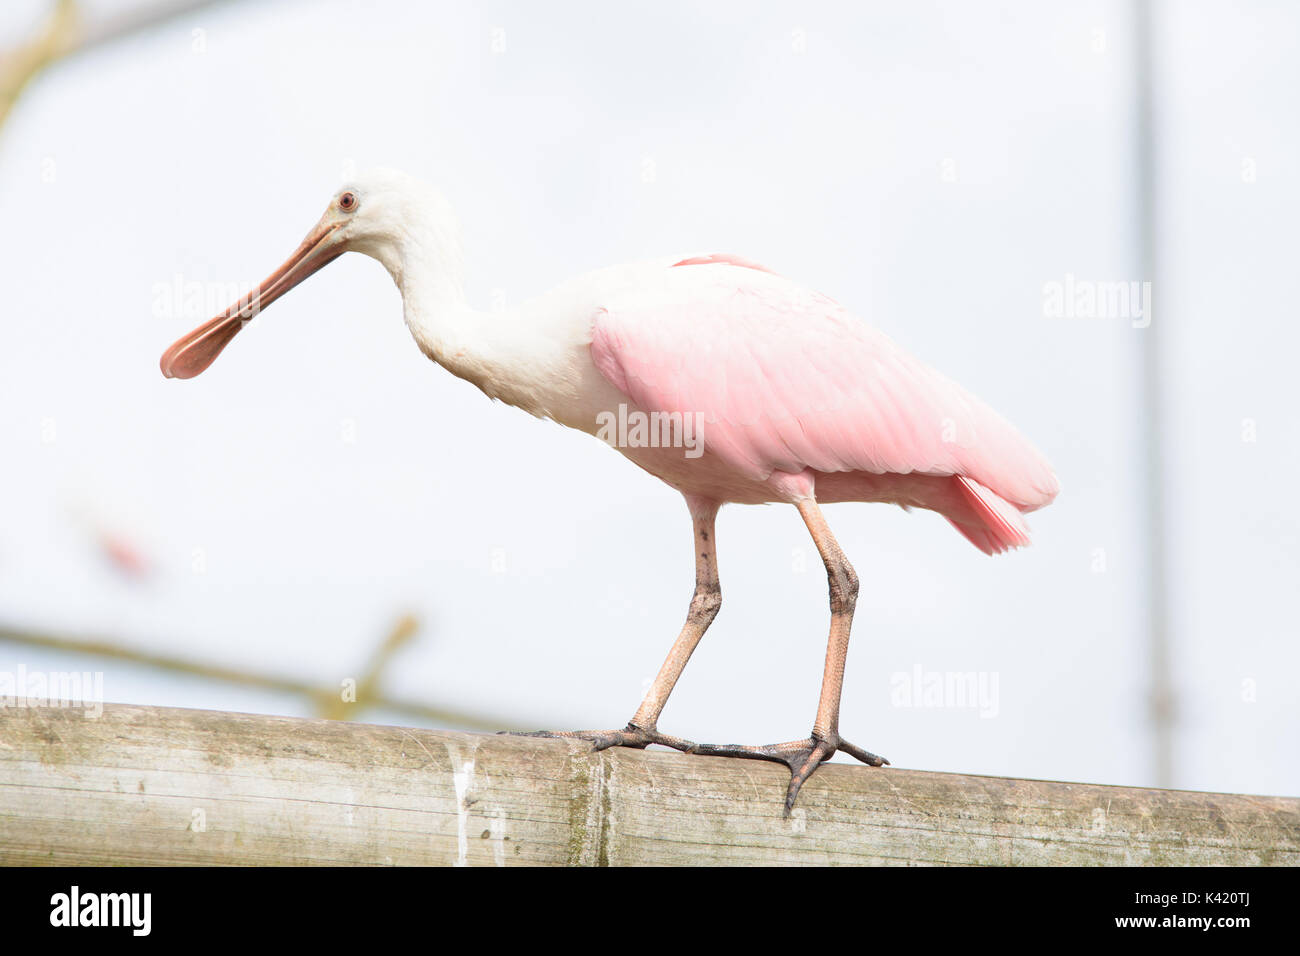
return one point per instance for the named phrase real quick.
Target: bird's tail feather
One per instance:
(994, 524)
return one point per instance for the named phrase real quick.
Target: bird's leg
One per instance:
(805, 756)
(643, 728)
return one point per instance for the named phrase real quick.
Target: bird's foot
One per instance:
(801, 756)
(630, 736)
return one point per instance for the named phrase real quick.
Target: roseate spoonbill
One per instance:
(795, 399)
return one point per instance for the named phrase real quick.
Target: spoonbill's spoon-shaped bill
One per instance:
(192, 354)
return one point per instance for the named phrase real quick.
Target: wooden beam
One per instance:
(152, 785)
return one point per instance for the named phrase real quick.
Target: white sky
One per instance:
(209, 161)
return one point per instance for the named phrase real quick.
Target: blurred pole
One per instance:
(1152, 424)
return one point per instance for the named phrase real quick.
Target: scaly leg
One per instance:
(805, 756)
(643, 728)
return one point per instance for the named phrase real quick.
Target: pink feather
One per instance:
(788, 381)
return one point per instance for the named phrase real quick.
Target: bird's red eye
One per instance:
(348, 202)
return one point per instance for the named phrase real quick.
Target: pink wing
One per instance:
(786, 379)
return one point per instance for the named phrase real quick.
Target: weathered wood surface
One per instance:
(146, 785)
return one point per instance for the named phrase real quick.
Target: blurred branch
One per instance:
(367, 688)
(68, 31)
(19, 67)
(328, 701)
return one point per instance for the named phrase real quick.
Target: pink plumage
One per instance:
(789, 383)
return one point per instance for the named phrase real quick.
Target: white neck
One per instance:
(512, 355)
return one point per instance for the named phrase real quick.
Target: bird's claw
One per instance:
(803, 757)
(630, 736)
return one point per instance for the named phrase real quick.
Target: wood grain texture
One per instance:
(148, 785)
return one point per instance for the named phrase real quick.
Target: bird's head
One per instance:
(383, 213)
